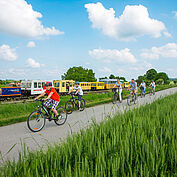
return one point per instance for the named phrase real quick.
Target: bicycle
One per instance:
(115, 97)
(36, 120)
(132, 98)
(152, 91)
(142, 92)
(73, 104)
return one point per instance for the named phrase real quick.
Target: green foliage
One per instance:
(151, 74)
(79, 74)
(163, 76)
(122, 78)
(102, 78)
(141, 142)
(160, 81)
(113, 77)
(172, 83)
(140, 79)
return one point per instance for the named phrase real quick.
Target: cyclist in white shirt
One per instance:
(79, 92)
(119, 86)
(152, 85)
(143, 86)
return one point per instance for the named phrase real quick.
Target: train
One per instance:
(36, 87)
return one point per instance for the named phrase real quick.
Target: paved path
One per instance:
(19, 134)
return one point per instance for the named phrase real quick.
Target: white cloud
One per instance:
(133, 22)
(17, 72)
(18, 18)
(31, 44)
(105, 70)
(32, 63)
(7, 53)
(114, 55)
(167, 34)
(175, 12)
(167, 51)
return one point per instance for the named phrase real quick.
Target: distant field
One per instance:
(141, 142)
(13, 113)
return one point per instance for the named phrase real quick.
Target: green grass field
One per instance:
(13, 113)
(141, 142)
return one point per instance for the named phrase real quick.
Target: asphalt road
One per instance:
(18, 134)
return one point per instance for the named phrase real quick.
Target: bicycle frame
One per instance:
(42, 107)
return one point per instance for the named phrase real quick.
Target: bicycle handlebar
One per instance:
(42, 100)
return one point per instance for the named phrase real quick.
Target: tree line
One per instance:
(87, 75)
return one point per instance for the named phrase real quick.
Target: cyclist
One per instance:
(52, 98)
(152, 85)
(143, 86)
(79, 92)
(133, 84)
(119, 86)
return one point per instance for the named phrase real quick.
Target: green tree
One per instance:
(151, 74)
(140, 79)
(79, 74)
(102, 78)
(160, 81)
(163, 76)
(112, 76)
(122, 78)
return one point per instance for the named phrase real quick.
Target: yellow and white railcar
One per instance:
(85, 86)
(63, 86)
(97, 85)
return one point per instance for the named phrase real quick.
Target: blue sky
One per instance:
(126, 40)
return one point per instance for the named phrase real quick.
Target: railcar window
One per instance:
(56, 84)
(39, 84)
(70, 84)
(28, 85)
(35, 84)
(63, 84)
(23, 85)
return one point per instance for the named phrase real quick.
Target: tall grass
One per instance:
(13, 113)
(141, 142)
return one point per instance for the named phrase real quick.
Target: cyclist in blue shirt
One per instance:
(133, 86)
(119, 86)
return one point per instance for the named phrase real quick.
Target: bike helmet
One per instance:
(48, 84)
(77, 82)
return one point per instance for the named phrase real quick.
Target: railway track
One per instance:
(16, 100)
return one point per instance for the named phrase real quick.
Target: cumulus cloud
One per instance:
(167, 51)
(31, 44)
(105, 70)
(7, 53)
(175, 12)
(133, 22)
(18, 18)
(108, 56)
(16, 71)
(32, 63)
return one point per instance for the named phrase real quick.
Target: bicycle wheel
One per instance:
(135, 99)
(129, 100)
(36, 121)
(82, 105)
(69, 107)
(62, 116)
(114, 99)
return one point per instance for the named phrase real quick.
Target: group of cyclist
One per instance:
(133, 87)
(54, 99)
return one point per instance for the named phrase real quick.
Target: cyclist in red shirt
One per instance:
(52, 98)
